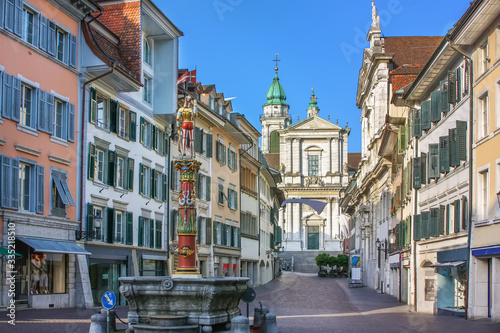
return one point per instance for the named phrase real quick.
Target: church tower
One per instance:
(275, 115)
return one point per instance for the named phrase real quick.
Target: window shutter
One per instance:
(235, 163)
(140, 236)
(445, 105)
(224, 155)
(434, 222)
(209, 145)
(465, 213)
(164, 187)
(110, 224)
(18, 18)
(444, 154)
(132, 125)
(130, 174)
(92, 160)
(417, 125)
(154, 137)
(141, 178)
(408, 126)
(43, 32)
(436, 106)
(172, 175)
(401, 140)
(426, 224)
(208, 231)
(43, 116)
(153, 184)
(90, 220)
(40, 181)
(93, 106)
(50, 108)
(72, 50)
(442, 230)
(416, 227)
(197, 140)
(111, 180)
(151, 233)
(456, 205)
(423, 169)
(452, 133)
(197, 185)
(113, 114)
(452, 88)
(447, 227)
(433, 161)
(235, 200)
(141, 130)
(16, 98)
(417, 172)
(7, 96)
(426, 115)
(129, 229)
(51, 37)
(10, 182)
(158, 234)
(462, 140)
(459, 85)
(161, 142)
(71, 122)
(208, 188)
(9, 15)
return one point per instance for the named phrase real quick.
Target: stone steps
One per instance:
(167, 321)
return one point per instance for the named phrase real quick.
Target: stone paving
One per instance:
(302, 302)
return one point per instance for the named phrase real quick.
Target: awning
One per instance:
(154, 257)
(486, 252)
(64, 192)
(318, 206)
(5, 252)
(448, 264)
(49, 245)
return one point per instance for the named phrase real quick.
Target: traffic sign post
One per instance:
(108, 301)
(248, 297)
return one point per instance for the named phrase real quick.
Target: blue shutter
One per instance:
(64, 183)
(40, 189)
(9, 15)
(16, 98)
(72, 51)
(71, 122)
(2, 7)
(7, 181)
(7, 96)
(18, 18)
(42, 111)
(51, 37)
(43, 32)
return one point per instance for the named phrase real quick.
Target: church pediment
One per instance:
(314, 123)
(313, 219)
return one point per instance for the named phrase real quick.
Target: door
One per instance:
(313, 238)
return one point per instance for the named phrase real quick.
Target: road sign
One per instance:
(108, 300)
(248, 296)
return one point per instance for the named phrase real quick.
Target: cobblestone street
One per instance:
(302, 303)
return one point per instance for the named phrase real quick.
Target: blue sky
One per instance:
(320, 42)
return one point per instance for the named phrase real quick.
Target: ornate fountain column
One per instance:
(188, 167)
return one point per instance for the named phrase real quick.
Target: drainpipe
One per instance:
(471, 118)
(415, 208)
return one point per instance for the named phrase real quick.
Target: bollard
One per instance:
(98, 323)
(240, 324)
(258, 313)
(269, 324)
(112, 318)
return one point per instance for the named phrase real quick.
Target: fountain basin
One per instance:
(205, 301)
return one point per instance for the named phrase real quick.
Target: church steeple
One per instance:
(313, 109)
(276, 94)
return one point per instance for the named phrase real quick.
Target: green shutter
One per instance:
(92, 106)
(151, 233)
(141, 130)
(442, 225)
(448, 219)
(426, 115)
(140, 236)
(197, 140)
(141, 178)
(111, 179)
(408, 126)
(152, 184)
(445, 105)
(110, 219)
(452, 88)
(209, 145)
(416, 227)
(129, 229)
(113, 115)
(456, 204)
(90, 220)
(209, 231)
(91, 163)
(423, 169)
(164, 187)
(130, 174)
(158, 234)
(417, 172)
(465, 216)
(452, 133)
(459, 85)
(444, 154)
(417, 125)
(132, 125)
(434, 222)
(462, 140)
(426, 224)
(436, 97)
(172, 175)
(197, 185)
(434, 161)
(401, 140)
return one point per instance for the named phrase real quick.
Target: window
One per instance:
(483, 195)
(25, 191)
(220, 196)
(120, 172)
(147, 52)
(102, 112)
(484, 60)
(145, 135)
(122, 123)
(147, 89)
(232, 198)
(61, 38)
(145, 181)
(60, 195)
(99, 165)
(119, 227)
(313, 165)
(148, 234)
(249, 180)
(26, 116)
(49, 269)
(202, 230)
(221, 151)
(29, 26)
(249, 224)
(232, 161)
(483, 115)
(58, 119)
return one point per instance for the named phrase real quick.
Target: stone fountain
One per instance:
(185, 302)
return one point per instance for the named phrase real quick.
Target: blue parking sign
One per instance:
(108, 300)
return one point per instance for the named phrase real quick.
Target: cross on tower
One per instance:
(276, 60)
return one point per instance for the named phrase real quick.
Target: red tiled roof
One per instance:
(411, 50)
(124, 20)
(400, 81)
(353, 160)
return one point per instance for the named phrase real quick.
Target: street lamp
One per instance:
(392, 238)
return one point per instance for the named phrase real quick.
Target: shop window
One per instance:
(151, 267)
(48, 273)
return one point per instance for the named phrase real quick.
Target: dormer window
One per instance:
(147, 52)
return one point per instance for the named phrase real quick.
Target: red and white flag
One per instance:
(187, 77)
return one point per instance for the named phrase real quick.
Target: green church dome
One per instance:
(276, 94)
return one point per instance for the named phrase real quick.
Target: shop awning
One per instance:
(49, 245)
(154, 257)
(5, 252)
(448, 264)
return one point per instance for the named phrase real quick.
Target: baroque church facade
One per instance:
(311, 156)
